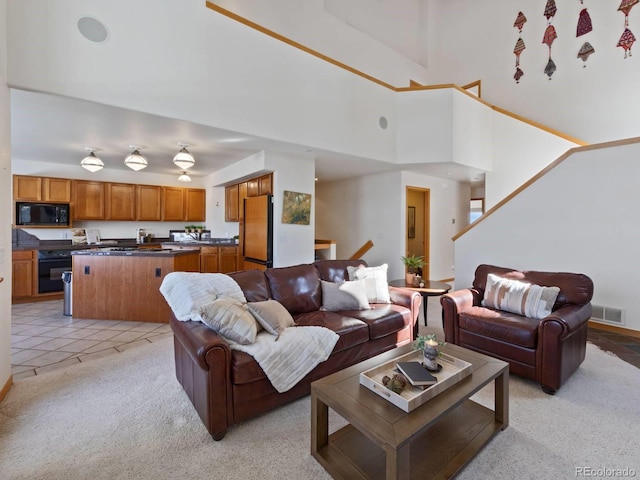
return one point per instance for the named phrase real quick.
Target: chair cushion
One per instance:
(499, 325)
(522, 298)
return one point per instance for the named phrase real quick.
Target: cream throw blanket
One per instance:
(285, 362)
(187, 292)
(297, 351)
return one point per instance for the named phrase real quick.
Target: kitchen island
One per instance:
(123, 283)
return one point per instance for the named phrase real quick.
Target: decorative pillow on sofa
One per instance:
(231, 319)
(271, 315)
(375, 281)
(349, 295)
(525, 299)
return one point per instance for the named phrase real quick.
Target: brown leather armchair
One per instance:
(547, 350)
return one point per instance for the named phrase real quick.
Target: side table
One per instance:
(431, 289)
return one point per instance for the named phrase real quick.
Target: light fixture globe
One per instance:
(183, 158)
(184, 177)
(134, 160)
(91, 162)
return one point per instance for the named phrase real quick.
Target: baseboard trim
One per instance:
(613, 328)
(6, 388)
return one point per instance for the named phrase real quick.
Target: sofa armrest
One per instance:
(409, 299)
(571, 317)
(452, 304)
(198, 339)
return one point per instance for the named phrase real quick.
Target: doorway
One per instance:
(418, 225)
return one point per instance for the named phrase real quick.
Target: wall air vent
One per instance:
(605, 314)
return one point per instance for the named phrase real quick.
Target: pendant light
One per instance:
(184, 177)
(183, 158)
(134, 160)
(91, 162)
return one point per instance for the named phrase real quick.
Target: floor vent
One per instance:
(612, 315)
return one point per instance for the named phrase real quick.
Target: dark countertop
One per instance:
(156, 242)
(134, 252)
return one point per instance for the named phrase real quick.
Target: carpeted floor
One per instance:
(125, 417)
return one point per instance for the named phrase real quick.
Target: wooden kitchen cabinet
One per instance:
(23, 268)
(120, 201)
(265, 184)
(183, 204)
(228, 259)
(89, 200)
(173, 204)
(195, 204)
(209, 260)
(215, 259)
(56, 190)
(41, 189)
(149, 203)
(231, 194)
(242, 194)
(235, 195)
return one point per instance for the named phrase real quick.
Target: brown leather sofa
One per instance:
(227, 386)
(547, 351)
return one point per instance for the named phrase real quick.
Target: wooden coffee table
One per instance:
(382, 441)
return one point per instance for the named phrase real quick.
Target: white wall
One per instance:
(386, 39)
(5, 210)
(579, 217)
(519, 151)
(106, 229)
(210, 70)
(474, 41)
(292, 244)
(372, 207)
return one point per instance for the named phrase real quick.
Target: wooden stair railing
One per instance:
(363, 249)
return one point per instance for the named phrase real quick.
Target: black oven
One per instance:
(51, 264)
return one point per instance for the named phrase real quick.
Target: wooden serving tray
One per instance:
(453, 370)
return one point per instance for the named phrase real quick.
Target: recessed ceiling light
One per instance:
(93, 30)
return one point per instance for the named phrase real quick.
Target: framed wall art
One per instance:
(411, 222)
(296, 208)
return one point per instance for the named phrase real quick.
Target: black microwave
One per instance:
(42, 214)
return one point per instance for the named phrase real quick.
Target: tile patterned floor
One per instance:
(42, 338)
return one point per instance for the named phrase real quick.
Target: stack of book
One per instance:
(417, 375)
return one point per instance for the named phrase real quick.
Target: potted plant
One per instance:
(431, 349)
(413, 263)
(236, 238)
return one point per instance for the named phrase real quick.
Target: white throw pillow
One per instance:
(350, 295)
(523, 298)
(231, 319)
(375, 281)
(271, 315)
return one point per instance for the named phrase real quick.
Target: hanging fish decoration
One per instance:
(625, 7)
(626, 42)
(550, 68)
(550, 9)
(520, 21)
(586, 50)
(517, 50)
(549, 36)
(584, 23)
(518, 75)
